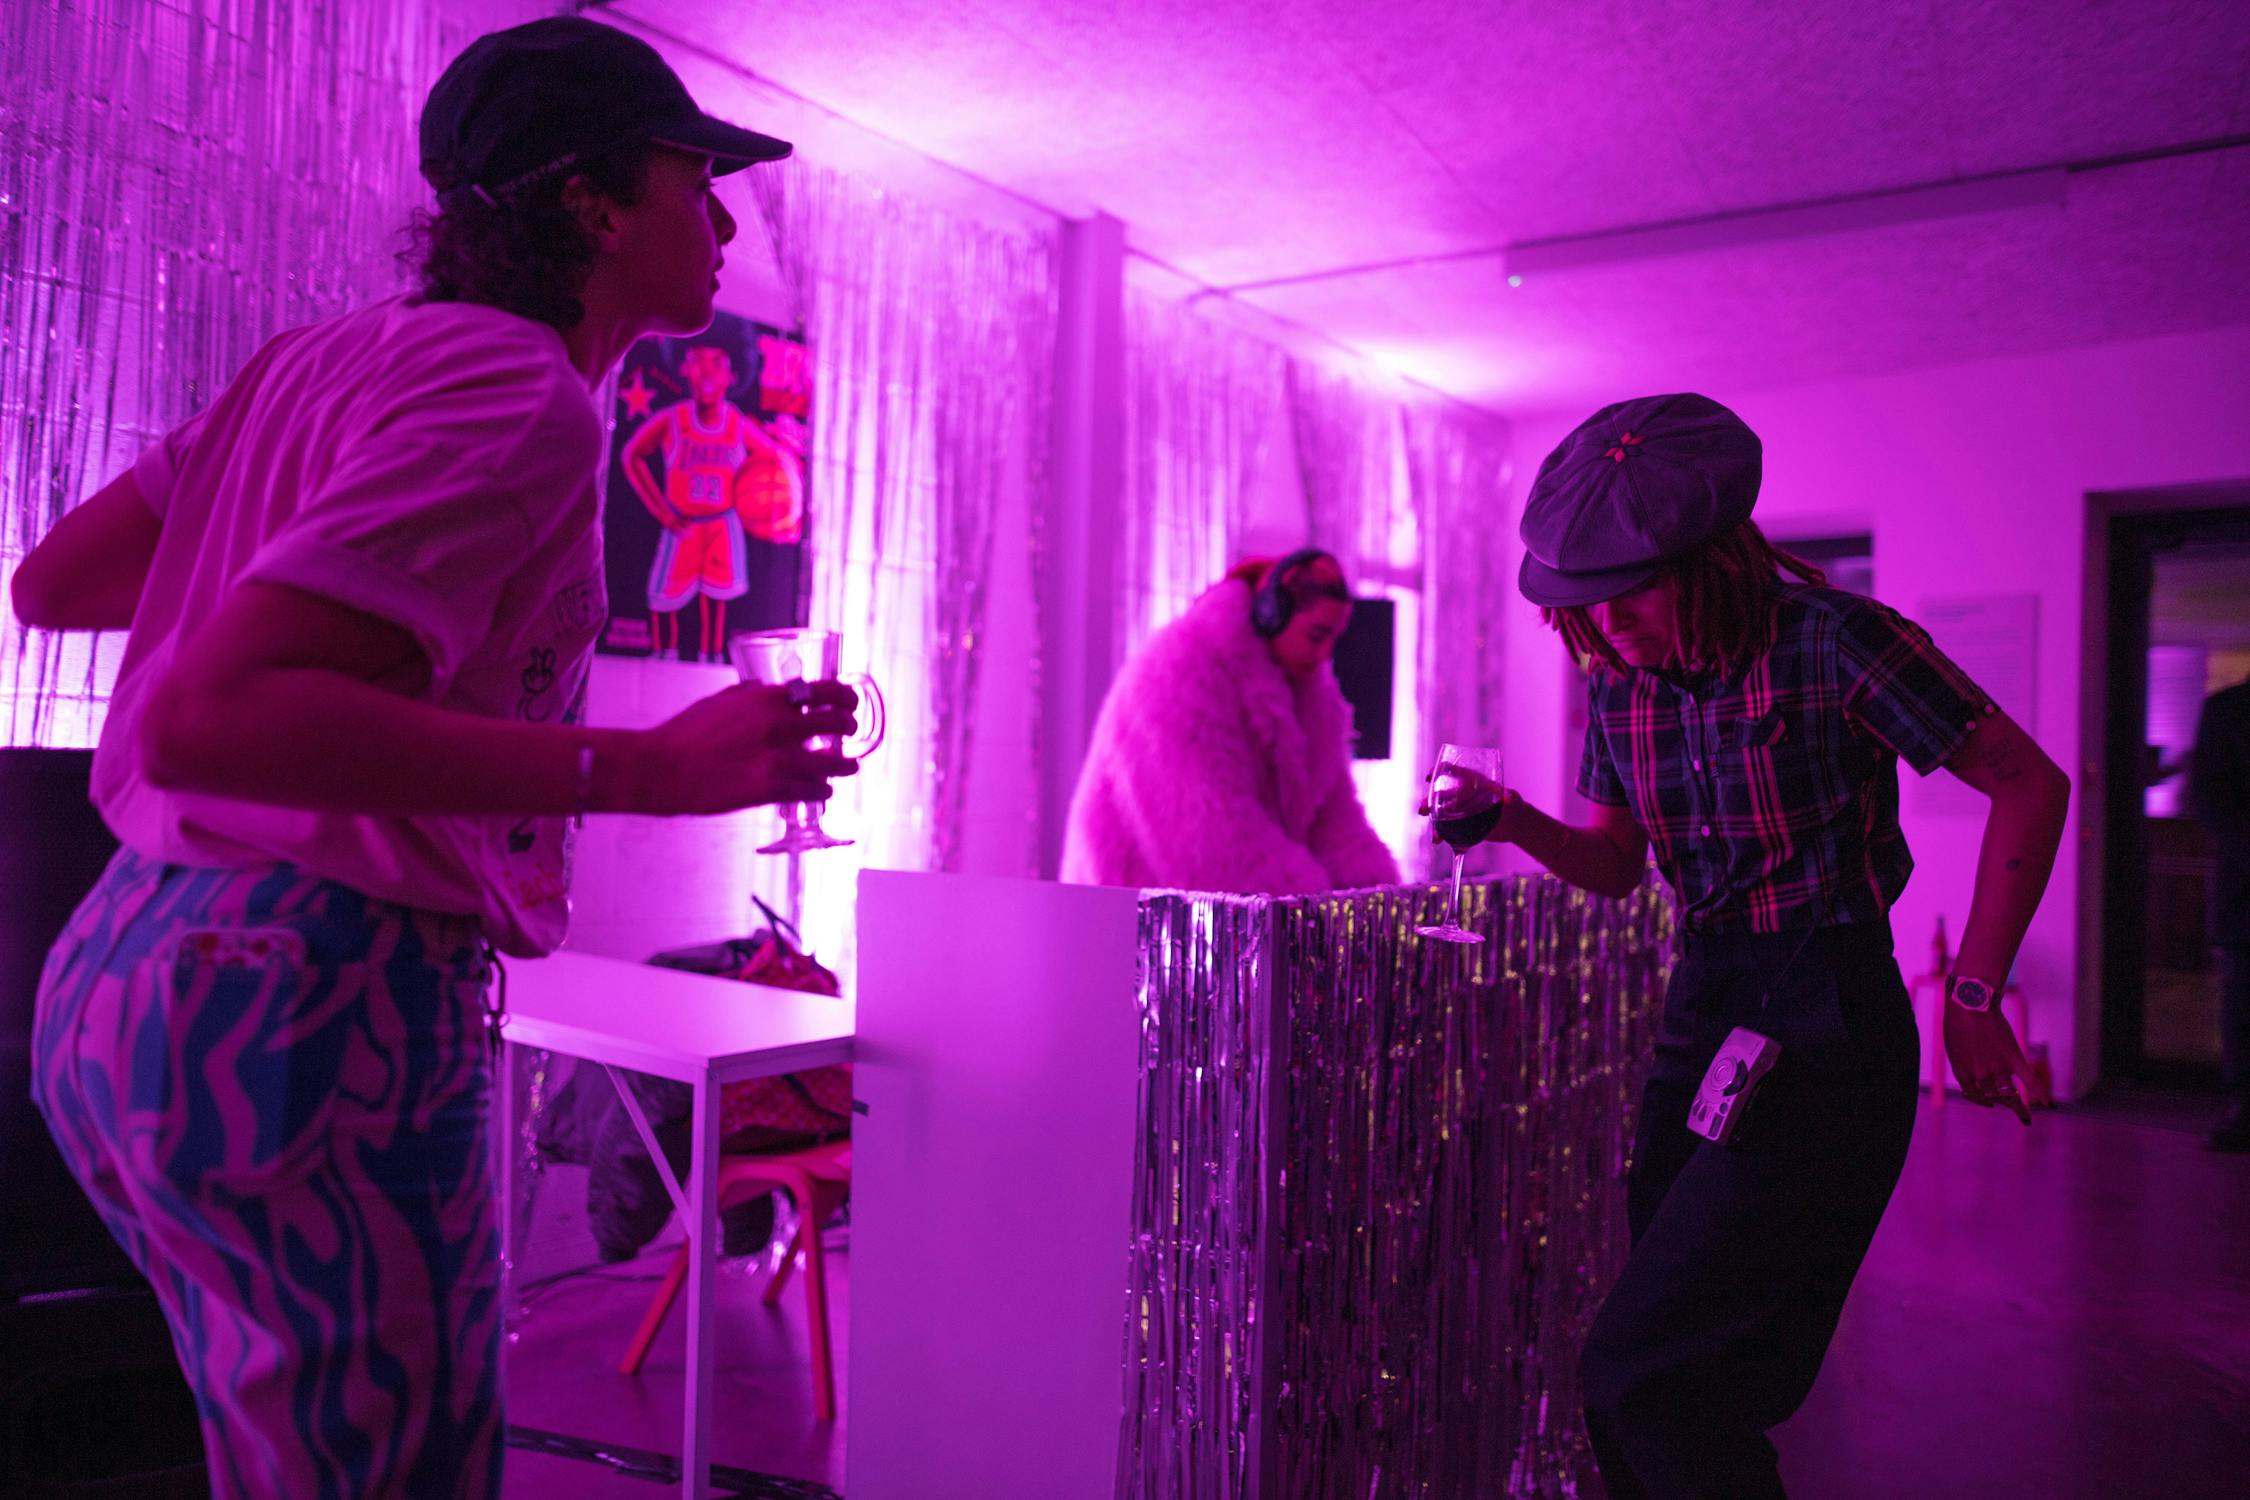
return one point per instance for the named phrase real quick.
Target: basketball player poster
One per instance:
(705, 506)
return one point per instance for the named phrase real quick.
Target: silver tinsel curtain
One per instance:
(1346, 441)
(1202, 404)
(178, 182)
(1377, 1189)
(932, 344)
(1458, 466)
(1407, 493)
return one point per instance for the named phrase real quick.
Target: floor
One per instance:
(2061, 1312)
(562, 1367)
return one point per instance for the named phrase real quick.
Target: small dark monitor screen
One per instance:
(1363, 671)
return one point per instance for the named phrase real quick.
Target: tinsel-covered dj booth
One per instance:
(1343, 1199)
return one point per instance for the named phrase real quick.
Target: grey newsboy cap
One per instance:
(1634, 486)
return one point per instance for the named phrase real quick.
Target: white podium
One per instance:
(997, 1061)
(1173, 1197)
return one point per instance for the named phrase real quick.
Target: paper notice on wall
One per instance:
(1995, 639)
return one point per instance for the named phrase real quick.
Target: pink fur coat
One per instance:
(1211, 771)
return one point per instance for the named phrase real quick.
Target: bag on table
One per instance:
(786, 1108)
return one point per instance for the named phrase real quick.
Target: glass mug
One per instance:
(780, 657)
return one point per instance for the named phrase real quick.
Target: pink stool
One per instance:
(819, 1178)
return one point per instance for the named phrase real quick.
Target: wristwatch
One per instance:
(1971, 994)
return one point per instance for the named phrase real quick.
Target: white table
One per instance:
(700, 1030)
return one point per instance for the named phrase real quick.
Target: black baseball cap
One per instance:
(1634, 486)
(535, 97)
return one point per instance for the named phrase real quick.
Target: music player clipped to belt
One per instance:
(1742, 1062)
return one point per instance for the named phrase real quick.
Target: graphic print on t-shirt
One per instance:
(706, 498)
(540, 850)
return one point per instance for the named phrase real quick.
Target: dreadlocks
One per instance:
(1725, 585)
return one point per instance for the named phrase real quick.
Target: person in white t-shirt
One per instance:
(343, 759)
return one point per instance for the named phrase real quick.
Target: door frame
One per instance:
(2127, 530)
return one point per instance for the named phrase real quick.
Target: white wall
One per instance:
(1973, 479)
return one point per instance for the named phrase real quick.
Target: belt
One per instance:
(1847, 941)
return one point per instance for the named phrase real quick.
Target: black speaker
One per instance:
(91, 1397)
(1364, 670)
(92, 1403)
(52, 849)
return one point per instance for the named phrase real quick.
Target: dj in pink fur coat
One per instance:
(1212, 769)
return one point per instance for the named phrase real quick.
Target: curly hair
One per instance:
(1724, 585)
(521, 247)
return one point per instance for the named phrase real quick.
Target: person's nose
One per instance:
(1611, 616)
(722, 222)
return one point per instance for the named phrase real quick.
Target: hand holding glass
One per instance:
(781, 657)
(1467, 795)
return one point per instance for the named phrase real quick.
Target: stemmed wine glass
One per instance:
(786, 656)
(1466, 787)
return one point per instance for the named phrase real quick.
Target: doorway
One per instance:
(2179, 616)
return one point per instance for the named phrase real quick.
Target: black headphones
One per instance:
(1271, 605)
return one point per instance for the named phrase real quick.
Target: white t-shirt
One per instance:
(434, 465)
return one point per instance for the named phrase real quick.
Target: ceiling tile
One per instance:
(2034, 82)
(1844, 98)
(1544, 114)
(2111, 265)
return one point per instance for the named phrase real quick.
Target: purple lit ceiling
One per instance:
(1248, 143)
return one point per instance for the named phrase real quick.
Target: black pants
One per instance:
(1743, 1253)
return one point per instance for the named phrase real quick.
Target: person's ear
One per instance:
(595, 212)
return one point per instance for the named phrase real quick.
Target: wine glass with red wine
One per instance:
(1466, 788)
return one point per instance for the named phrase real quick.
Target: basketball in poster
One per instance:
(705, 507)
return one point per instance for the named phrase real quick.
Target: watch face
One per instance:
(1972, 994)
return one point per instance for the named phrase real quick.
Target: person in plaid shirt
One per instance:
(1746, 723)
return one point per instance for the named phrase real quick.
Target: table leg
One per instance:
(2015, 1005)
(702, 1231)
(1933, 1036)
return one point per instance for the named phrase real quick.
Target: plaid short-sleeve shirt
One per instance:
(1770, 795)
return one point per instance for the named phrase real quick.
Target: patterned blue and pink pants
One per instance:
(275, 1091)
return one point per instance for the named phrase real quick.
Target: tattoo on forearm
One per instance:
(2016, 863)
(2000, 760)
